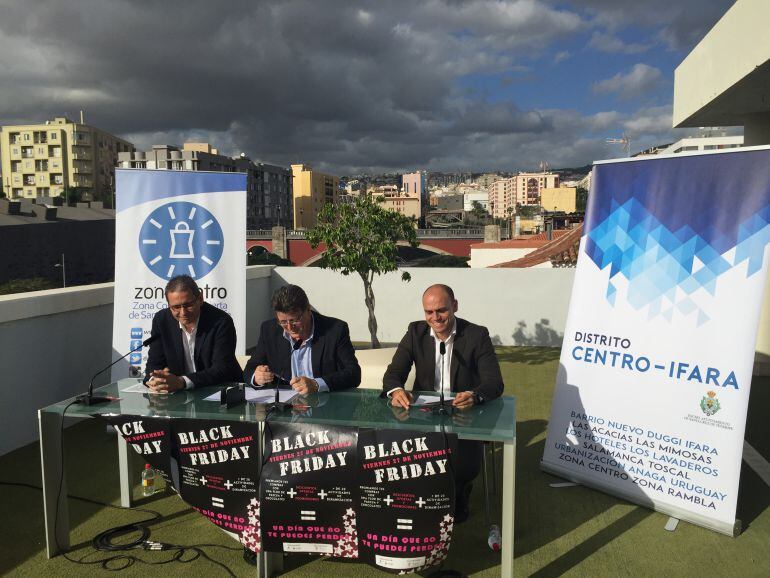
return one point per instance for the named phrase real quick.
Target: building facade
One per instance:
(416, 185)
(409, 204)
(559, 200)
(268, 187)
(311, 190)
(59, 158)
(522, 189)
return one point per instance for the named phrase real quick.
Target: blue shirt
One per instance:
(302, 358)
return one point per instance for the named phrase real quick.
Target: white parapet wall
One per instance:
(518, 306)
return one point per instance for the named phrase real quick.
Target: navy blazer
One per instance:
(333, 357)
(214, 355)
(474, 365)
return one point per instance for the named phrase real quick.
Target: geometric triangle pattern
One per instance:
(663, 267)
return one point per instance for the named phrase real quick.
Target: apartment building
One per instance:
(49, 159)
(268, 187)
(311, 190)
(522, 189)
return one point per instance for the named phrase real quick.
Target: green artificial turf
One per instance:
(572, 531)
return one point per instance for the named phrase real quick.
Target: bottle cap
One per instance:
(146, 466)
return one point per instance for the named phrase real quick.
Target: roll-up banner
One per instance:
(171, 223)
(653, 386)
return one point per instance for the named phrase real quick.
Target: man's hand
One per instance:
(163, 381)
(463, 400)
(304, 385)
(401, 398)
(400, 413)
(263, 375)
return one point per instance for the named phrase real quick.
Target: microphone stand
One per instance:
(91, 399)
(442, 409)
(277, 406)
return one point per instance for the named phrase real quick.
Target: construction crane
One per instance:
(624, 142)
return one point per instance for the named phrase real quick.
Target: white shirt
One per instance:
(188, 344)
(449, 343)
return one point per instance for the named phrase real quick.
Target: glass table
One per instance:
(494, 421)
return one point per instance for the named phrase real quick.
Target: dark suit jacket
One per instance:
(473, 367)
(334, 359)
(215, 361)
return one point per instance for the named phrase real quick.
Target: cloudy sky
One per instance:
(349, 87)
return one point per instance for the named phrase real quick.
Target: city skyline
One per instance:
(365, 87)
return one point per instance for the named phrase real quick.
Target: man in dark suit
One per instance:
(195, 342)
(307, 350)
(470, 372)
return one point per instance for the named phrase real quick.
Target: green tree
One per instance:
(25, 285)
(527, 211)
(361, 237)
(258, 255)
(581, 199)
(478, 210)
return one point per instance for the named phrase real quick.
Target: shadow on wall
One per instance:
(543, 335)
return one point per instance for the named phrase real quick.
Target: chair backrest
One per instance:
(373, 364)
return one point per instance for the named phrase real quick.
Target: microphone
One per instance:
(277, 405)
(89, 398)
(442, 352)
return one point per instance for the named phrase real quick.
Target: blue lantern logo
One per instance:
(181, 239)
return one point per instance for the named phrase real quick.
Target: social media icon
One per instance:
(136, 332)
(136, 343)
(135, 359)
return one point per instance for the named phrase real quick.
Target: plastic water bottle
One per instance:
(494, 540)
(148, 480)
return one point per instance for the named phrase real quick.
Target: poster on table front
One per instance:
(653, 385)
(308, 487)
(406, 509)
(171, 223)
(219, 473)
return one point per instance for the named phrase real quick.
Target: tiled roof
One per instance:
(562, 251)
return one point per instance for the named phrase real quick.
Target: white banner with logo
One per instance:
(171, 223)
(653, 386)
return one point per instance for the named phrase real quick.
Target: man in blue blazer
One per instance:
(194, 342)
(306, 350)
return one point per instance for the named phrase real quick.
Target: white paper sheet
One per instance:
(260, 395)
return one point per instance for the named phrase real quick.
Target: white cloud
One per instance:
(641, 79)
(561, 56)
(604, 42)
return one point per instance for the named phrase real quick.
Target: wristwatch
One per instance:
(478, 399)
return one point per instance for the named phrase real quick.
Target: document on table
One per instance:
(141, 388)
(260, 395)
(423, 399)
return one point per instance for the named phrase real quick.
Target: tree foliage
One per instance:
(25, 285)
(361, 237)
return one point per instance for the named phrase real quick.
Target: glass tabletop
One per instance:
(493, 421)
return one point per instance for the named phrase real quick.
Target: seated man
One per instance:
(303, 348)
(195, 344)
(470, 371)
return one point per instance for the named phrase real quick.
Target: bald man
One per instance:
(471, 373)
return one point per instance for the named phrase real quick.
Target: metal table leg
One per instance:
(55, 510)
(509, 497)
(124, 465)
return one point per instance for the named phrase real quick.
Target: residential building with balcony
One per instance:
(393, 199)
(268, 187)
(521, 189)
(311, 190)
(43, 160)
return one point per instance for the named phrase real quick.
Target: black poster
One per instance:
(150, 437)
(219, 473)
(406, 509)
(307, 490)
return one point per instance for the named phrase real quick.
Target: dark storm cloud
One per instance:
(343, 86)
